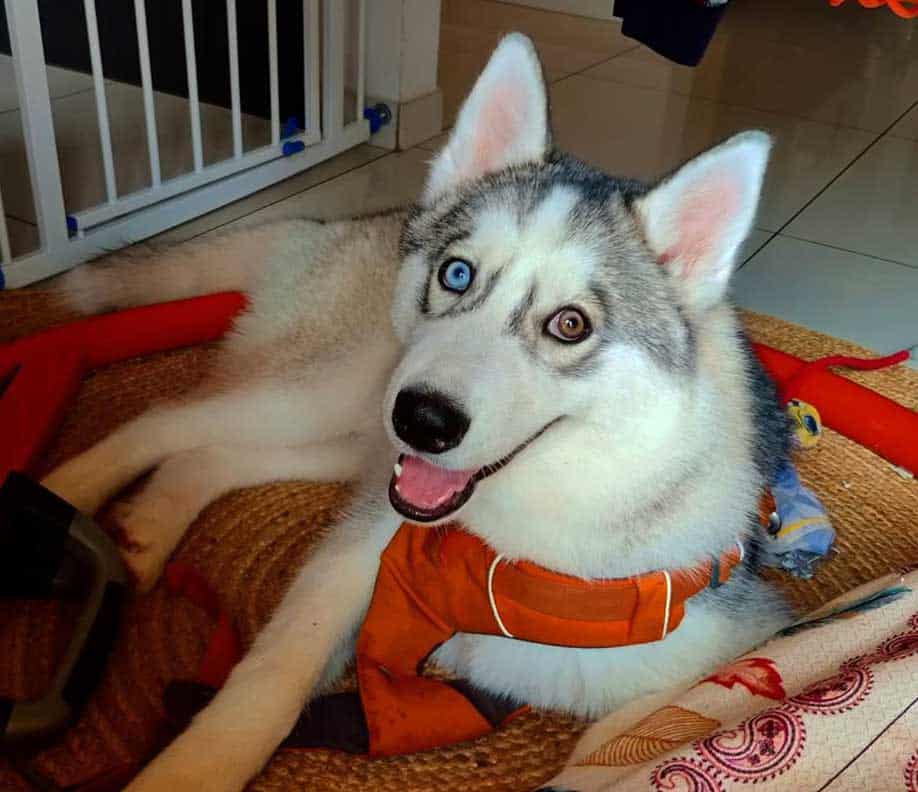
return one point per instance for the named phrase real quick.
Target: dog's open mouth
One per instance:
(424, 492)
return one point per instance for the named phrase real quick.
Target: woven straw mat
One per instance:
(249, 544)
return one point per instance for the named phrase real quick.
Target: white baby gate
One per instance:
(331, 29)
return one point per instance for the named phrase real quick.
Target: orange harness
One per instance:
(435, 582)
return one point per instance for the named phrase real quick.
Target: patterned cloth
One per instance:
(802, 535)
(829, 704)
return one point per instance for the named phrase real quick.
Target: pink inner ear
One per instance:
(498, 129)
(704, 214)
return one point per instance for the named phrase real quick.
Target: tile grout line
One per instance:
(53, 100)
(547, 84)
(21, 220)
(596, 65)
(846, 168)
(549, 12)
(847, 250)
(773, 235)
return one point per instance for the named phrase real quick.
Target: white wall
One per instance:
(402, 43)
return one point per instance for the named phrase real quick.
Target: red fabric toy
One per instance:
(42, 372)
(907, 9)
(878, 423)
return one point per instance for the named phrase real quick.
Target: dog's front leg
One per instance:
(234, 736)
(270, 414)
(153, 522)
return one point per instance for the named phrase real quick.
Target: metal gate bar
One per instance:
(6, 255)
(233, 43)
(191, 69)
(37, 122)
(123, 219)
(146, 81)
(311, 83)
(98, 82)
(272, 71)
(333, 68)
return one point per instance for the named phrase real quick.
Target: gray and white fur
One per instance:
(653, 434)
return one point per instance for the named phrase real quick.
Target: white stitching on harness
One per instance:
(500, 623)
(669, 601)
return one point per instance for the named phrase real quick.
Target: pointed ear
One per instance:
(696, 219)
(503, 122)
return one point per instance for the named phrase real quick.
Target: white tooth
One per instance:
(397, 489)
(398, 469)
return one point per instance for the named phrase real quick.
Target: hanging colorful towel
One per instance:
(907, 9)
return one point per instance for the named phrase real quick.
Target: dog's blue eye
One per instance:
(456, 275)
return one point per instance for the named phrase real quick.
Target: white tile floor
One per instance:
(869, 300)
(871, 208)
(836, 247)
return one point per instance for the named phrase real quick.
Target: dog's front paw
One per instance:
(200, 764)
(147, 528)
(162, 777)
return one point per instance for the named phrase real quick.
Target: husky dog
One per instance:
(547, 349)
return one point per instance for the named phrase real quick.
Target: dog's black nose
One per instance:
(428, 420)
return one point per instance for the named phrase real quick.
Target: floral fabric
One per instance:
(829, 704)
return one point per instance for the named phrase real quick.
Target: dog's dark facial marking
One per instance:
(477, 299)
(518, 314)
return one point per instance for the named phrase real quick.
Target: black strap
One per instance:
(335, 721)
(494, 709)
(46, 546)
(34, 530)
(88, 670)
(6, 709)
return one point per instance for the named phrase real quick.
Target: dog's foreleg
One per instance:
(264, 416)
(153, 521)
(232, 738)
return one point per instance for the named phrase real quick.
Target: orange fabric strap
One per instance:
(435, 582)
(535, 604)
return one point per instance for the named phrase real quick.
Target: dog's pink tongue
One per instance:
(428, 486)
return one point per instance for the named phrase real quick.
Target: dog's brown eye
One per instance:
(569, 325)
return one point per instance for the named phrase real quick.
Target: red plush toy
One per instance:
(42, 372)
